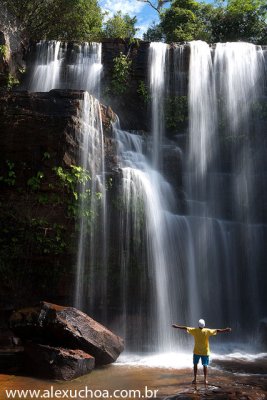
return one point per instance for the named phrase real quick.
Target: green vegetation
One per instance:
(30, 246)
(240, 20)
(154, 33)
(225, 21)
(180, 20)
(9, 177)
(179, 23)
(72, 178)
(120, 75)
(4, 51)
(143, 92)
(79, 20)
(176, 111)
(120, 26)
(39, 219)
(75, 182)
(69, 189)
(35, 181)
(12, 81)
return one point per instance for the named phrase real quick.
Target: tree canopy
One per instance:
(180, 20)
(79, 20)
(228, 20)
(240, 20)
(120, 26)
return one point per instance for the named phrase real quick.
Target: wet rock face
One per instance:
(67, 327)
(57, 363)
(36, 123)
(40, 132)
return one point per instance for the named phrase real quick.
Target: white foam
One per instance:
(160, 360)
(240, 356)
(177, 360)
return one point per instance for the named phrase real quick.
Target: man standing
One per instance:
(201, 348)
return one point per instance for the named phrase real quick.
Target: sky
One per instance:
(144, 13)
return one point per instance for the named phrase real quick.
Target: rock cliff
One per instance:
(39, 133)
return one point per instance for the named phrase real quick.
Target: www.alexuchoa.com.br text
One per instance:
(84, 393)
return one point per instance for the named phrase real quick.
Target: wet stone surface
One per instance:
(165, 383)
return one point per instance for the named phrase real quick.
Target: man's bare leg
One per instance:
(205, 369)
(195, 374)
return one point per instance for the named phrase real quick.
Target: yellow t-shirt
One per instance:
(201, 336)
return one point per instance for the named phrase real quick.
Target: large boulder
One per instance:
(57, 363)
(67, 327)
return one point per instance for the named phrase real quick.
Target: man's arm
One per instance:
(223, 330)
(179, 327)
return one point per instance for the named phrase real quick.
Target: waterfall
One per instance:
(147, 233)
(84, 71)
(62, 66)
(70, 66)
(47, 67)
(219, 175)
(182, 250)
(92, 210)
(202, 113)
(157, 79)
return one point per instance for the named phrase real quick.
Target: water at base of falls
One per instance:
(182, 359)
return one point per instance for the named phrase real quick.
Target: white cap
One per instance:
(201, 323)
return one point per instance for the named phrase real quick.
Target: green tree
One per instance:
(120, 26)
(240, 20)
(121, 74)
(154, 33)
(181, 22)
(223, 21)
(77, 20)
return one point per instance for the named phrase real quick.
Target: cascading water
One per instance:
(92, 207)
(60, 66)
(219, 185)
(173, 266)
(193, 261)
(63, 66)
(47, 67)
(202, 113)
(157, 79)
(148, 233)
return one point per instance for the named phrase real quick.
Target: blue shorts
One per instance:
(204, 359)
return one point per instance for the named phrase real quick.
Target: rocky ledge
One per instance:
(62, 343)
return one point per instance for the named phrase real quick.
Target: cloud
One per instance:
(131, 7)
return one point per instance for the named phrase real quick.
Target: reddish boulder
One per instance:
(67, 327)
(57, 363)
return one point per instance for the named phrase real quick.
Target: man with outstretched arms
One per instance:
(201, 348)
